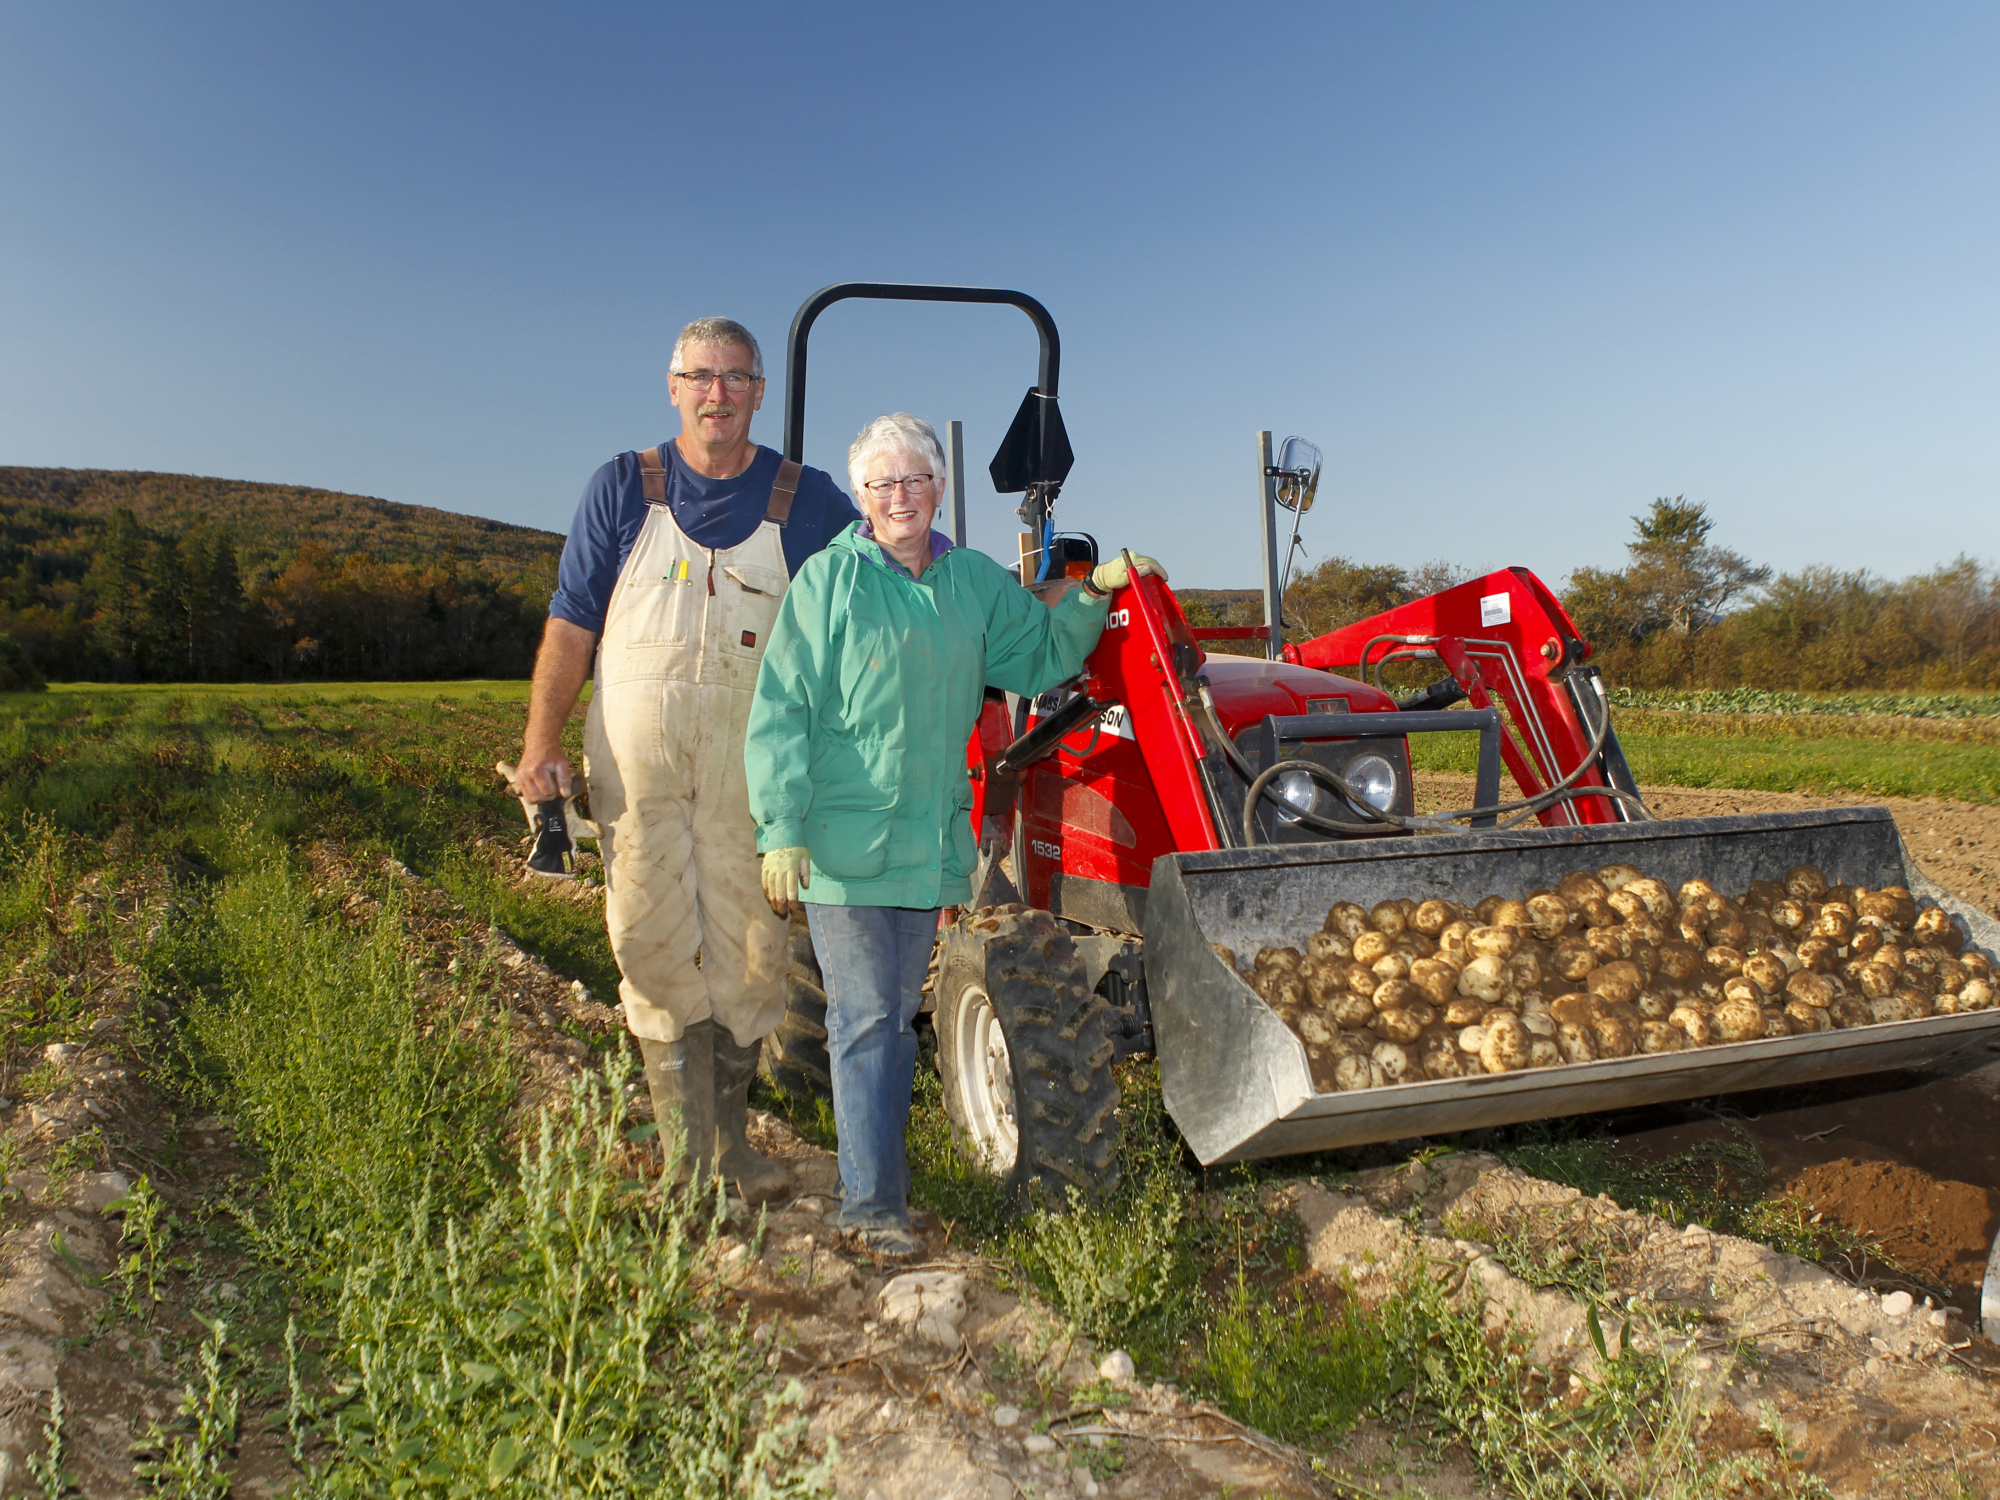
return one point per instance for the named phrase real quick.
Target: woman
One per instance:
(868, 691)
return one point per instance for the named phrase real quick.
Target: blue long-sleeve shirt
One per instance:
(713, 512)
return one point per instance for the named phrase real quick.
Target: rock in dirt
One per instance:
(97, 1191)
(1117, 1367)
(931, 1304)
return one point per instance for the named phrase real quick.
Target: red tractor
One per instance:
(1171, 806)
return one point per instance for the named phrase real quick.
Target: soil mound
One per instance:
(1936, 1230)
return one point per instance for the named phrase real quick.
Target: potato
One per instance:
(1497, 942)
(1471, 1039)
(1580, 885)
(1278, 958)
(1729, 931)
(1463, 1010)
(1777, 1023)
(1834, 921)
(1349, 1010)
(1436, 978)
(1935, 927)
(1761, 934)
(1391, 966)
(1484, 978)
(1509, 914)
(1529, 968)
(1724, 959)
(1360, 979)
(1919, 1003)
(1386, 917)
(1608, 943)
(1619, 981)
(1789, 957)
(1906, 906)
(1394, 1025)
(1315, 1027)
(1324, 944)
(1892, 1008)
(1849, 1011)
(1977, 994)
(1506, 1046)
(1766, 972)
(1877, 980)
(1573, 958)
(1574, 1040)
(1788, 915)
(1762, 893)
(1645, 928)
(1574, 1008)
(1548, 916)
(1924, 961)
(1812, 989)
(1653, 1007)
(1679, 960)
(1693, 891)
(1660, 905)
(1538, 1023)
(1737, 987)
(1227, 955)
(1431, 917)
(1692, 925)
(1369, 946)
(1658, 1036)
(1806, 1018)
(1544, 1053)
(1738, 1021)
(1817, 952)
(1355, 1073)
(1353, 1043)
(1951, 976)
(1451, 943)
(1694, 1024)
(1976, 964)
(1610, 1036)
(1868, 937)
(1442, 1062)
(1597, 912)
(1806, 883)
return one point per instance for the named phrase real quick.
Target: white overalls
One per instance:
(663, 756)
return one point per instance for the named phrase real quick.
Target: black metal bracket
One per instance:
(893, 291)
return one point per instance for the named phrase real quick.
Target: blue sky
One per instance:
(1517, 268)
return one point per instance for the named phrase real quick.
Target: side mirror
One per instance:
(1297, 473)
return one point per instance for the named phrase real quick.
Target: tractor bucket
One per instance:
(1235, 1078)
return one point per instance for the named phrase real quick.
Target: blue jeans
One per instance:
(874, 960)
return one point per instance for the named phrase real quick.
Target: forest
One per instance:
(170, 578)
(1685, 612)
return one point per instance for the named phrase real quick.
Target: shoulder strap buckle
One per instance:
(653, 476)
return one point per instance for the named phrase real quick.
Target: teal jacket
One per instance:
(869, 689)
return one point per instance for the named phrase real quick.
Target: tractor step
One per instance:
(1235, 1078)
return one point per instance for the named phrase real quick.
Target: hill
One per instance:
(114, 576)
(271, 521)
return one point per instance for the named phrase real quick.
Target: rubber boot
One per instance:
(755, 1178)
(681, 1078)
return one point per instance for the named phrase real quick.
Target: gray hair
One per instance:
(718, 331)
(899, 432)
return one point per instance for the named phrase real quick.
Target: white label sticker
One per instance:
(1496, 609)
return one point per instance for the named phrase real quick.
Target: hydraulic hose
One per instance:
(1564, 790)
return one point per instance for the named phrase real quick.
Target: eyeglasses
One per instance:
(916, 484)
(701, 380)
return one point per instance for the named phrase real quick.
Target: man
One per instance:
(671, 579)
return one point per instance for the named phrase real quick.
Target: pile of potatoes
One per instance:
(1609, 963)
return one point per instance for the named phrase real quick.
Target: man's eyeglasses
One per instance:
(916, 484)
(701, 380)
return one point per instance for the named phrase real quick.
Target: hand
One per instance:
(544, 773)
(785, 872)
(1108, 577)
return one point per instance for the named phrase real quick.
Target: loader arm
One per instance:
(1503, 636)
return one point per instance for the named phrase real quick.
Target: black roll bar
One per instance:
(893, 291)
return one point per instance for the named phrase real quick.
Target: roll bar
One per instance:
(893, 291)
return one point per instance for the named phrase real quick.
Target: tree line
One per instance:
(1685, 612)
(177, 604)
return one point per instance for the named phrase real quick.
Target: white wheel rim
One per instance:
(985, 1081)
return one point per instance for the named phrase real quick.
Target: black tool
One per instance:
(554, 852)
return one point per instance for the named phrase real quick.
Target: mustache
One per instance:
(717, 409)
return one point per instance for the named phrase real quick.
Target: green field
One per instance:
(1825, 754)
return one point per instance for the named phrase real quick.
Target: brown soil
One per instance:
(1935, 1230)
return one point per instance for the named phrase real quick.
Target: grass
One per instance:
(1827, 757)
(211, 863)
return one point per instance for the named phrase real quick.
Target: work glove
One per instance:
(1109, 577)
(785, 872)
(556, 827)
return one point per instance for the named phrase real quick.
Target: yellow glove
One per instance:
(1109, 577)
(785, 872)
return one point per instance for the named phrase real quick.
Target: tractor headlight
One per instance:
(1373, 779)
(1297, 789)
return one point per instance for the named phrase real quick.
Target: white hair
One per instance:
(718, 331)
(898, 432)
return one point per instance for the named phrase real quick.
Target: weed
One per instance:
(1299, 1371)
(46, 1466)
(1007, 1364)
(148, 1231)
(557, 1338)
(1100, 1457)
(1108, 1267)
(194, 1455)
(79, 1153)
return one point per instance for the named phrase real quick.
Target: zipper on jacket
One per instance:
(711, 572)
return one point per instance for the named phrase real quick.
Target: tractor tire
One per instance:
(795, 1053)
(1025, 1051)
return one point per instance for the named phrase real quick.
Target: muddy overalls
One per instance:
(663, 756)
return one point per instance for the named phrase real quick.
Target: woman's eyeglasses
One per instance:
(916, 484)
